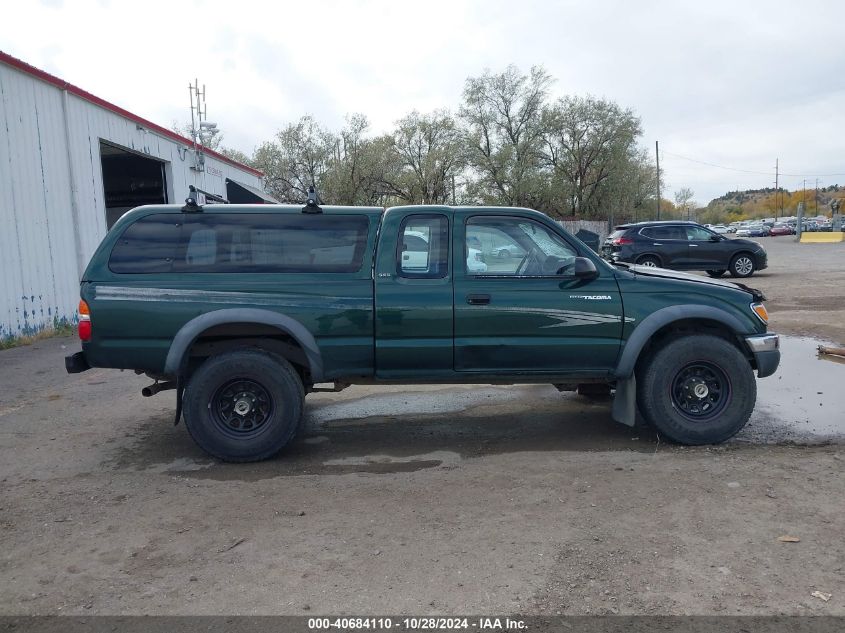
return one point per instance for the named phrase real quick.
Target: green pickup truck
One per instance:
(246, 309)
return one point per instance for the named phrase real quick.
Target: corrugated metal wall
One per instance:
(52, 205)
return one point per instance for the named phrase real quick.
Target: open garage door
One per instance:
(130, 180)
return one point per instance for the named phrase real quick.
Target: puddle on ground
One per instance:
(440, 458)
(801, 402)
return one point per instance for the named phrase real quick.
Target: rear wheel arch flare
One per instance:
(185, 338)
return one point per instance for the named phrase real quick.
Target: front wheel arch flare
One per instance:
(656, 321)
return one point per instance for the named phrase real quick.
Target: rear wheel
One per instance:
(698, 389)
(244, 406)
(649, 260)
(742, 265)
(716, 273)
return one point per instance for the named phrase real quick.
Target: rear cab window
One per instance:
(241, 243)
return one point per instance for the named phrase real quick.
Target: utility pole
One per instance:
(776, 189)
(657, 157)
(817, 197)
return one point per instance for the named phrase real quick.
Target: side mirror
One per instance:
(584, 269)
(715, 238)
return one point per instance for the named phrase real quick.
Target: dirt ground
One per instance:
(422, 500)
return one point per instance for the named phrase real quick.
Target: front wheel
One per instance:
(742, 265)
(697, 389)
(244, 406)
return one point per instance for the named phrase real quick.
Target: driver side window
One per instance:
(508, 246)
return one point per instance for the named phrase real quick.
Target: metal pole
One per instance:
(657, 157)
(776, 189)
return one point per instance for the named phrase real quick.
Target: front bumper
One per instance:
(766, 350)
(76, 363)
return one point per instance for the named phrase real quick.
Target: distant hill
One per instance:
(753, 203)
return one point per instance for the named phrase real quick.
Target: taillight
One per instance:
(621, 241)
(84, 321)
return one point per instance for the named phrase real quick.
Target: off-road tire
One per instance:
(742, 265)
(649, 260)
(688, 361)
(716, 273)
(250, 377)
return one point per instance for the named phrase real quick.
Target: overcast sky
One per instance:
(735, 83)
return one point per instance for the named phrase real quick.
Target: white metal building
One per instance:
(70, 165)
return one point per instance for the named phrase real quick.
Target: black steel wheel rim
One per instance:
(241, 408)
(700, 391)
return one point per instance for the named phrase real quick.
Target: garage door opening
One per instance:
(130, 180)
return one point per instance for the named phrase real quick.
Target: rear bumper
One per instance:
(766, 350)
(76, 363)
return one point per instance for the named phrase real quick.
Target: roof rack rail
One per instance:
(191, 205)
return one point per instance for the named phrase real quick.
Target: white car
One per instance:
(415, 254)
(721, 229)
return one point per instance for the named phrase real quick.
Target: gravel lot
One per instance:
(430, 499)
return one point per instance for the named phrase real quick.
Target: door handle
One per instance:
(657, 244)
(478, 300)
(693, 244)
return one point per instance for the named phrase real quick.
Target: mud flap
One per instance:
(625, 401)
(180, 390)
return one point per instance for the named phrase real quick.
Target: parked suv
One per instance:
(683, 246)
(244, 310)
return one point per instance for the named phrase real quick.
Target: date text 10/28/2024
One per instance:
(416, 624)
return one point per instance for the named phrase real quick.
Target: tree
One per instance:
(634, 189)
(236, 155)
(296, 159)
(359, 168)
(502, 114)
(589, 144)
(683, 198)
(430, 153)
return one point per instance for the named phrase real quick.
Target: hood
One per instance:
(665, 273)
(740, 240)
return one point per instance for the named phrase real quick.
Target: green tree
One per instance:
(502, 116)
(296, 159)
(589, 144)
(684, 201)
(429, 153)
